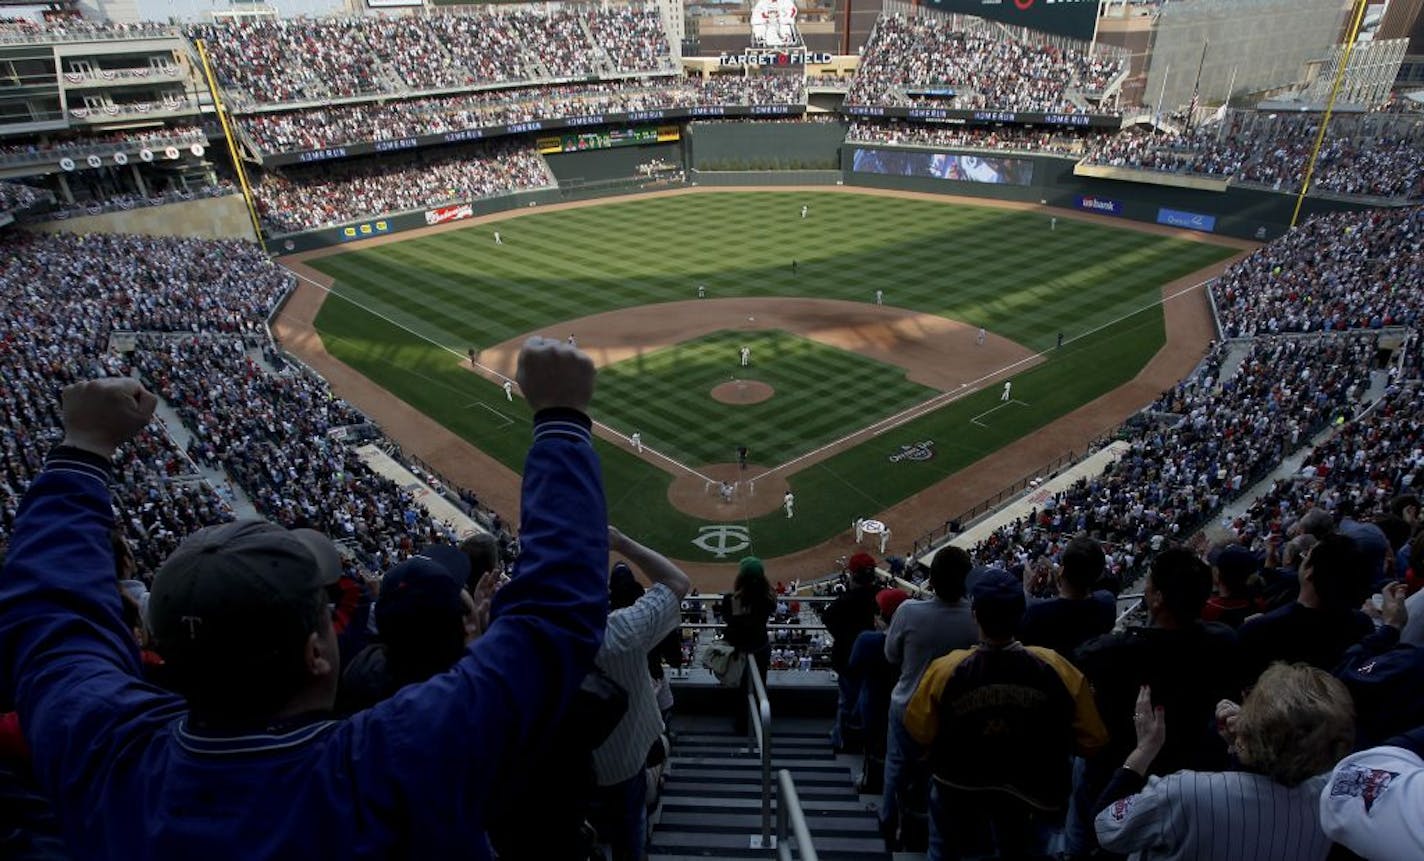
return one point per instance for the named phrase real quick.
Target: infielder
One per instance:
(1008, 387)
(746, 354)
(880, 297)
(637, 440)
(497, 239)
(788, 500)
(509, 391)
(980, 339)
(804, 209)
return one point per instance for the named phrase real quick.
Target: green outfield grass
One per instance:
(822, 393)
(435, 296)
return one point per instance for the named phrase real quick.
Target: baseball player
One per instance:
(793, 267)
(637, 440)
(804, 209)
(497, 239)
(1060, 340)
(788, 500)
(701, 291)
(474, 356)
(746, 354)
(509, 390)
(884, 539)
(880, 297)
(742, 456)
(858, 525)
(1008, 387)
(1053, 224)
(726, 492)
(573, 342)
(980, 339)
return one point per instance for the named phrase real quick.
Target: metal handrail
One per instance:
(789, 813)
(759, 730)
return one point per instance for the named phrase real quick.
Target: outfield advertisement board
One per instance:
(444, 214)
(365, 230)
(961, 167)
(553, 124)
(1189, 220)
(1100, 205)
(1074, 18)
(952, 116)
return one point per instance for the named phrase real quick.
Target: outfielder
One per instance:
(804, 209)
(497, 239)
(746, 354)
(637, 440)
(788, 500)
(509, 391)
(1008, 387)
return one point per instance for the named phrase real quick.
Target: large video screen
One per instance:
(943, 165)
(1073, 18)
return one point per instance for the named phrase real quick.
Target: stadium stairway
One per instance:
(711, 800)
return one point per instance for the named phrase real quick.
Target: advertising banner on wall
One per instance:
(1100, 205)
(364, 231)
(444, 214)
(1189, 220)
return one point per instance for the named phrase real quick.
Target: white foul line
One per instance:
(605, 428)
(943, 398)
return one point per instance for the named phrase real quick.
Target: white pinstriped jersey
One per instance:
(1217, 816)
(632, 633)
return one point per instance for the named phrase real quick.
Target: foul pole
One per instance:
(1329, 110)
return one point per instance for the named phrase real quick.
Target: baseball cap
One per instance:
(889, 600)
(861, 562)
(1234, 561)
(751, 565)
(423, 588)
(239, 591)
(997, 588)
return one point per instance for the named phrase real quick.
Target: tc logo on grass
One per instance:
(923, 450)
(723, 539)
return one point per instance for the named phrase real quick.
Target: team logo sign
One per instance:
(923, 450)
(723, 539)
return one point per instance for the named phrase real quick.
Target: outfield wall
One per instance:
(1246, 213)
(592, 167)
(764, 146)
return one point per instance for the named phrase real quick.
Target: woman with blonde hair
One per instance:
(1294, 726)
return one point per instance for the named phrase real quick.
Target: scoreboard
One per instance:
(578, 141)
(1076, 19)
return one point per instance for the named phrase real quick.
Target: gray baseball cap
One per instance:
(239, 590)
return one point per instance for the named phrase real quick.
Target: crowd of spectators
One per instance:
(1206, 441)
(1371, 154)
(1344, 270)
(70, 28)
(1020, 138)
(286, 60)
(343, 124)
(124, 201)
(15, 196)
(303, 198)
(62, 296)
(105, 142)
(281, 435)
(972, 69)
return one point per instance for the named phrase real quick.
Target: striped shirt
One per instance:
(1221, 816)
(632, 633)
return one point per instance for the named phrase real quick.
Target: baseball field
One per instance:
(851, 405)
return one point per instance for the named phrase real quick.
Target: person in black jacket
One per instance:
(1190, 665)
(845, 618)
(745, 612)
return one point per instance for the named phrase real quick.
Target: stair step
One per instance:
(739, 846)
(753, 765)
(746, 790)
(703, 822)
(810, 807)
(722, 777)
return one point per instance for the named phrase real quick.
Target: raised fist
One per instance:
(99, 415)
(555, 374)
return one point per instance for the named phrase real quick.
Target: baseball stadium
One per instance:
(725, 430)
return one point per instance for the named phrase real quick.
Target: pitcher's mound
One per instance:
(742, 392)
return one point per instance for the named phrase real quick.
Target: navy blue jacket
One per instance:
(412, 777)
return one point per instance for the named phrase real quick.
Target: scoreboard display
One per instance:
(578, 141)
(1076, 19)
